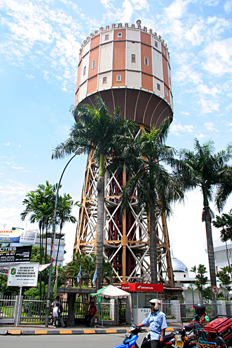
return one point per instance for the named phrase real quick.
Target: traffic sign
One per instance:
(215, 290)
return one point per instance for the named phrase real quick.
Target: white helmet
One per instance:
(156, 302)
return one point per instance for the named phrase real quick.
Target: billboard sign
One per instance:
(28, 237)
(142, 287)
(15, 254)
(11, 236)
(23, 274)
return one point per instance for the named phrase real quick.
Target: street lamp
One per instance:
(79, 151)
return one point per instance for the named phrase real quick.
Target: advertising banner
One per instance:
(15, 254)
(4, 270)
(23, 274)
(142, 287)
(11, 236)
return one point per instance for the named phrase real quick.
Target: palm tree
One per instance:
(225, 188)
(149, 160)
(94, 130)
(64, 209)
(205, 169)
(40, 206)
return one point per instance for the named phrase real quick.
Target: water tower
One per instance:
(129, 67)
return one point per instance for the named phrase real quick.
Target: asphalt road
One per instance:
(65, 341)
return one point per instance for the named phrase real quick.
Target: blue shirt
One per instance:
(156, 322)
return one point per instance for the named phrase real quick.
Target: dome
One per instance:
(178, 266)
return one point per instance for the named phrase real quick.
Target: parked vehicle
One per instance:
(171, 340)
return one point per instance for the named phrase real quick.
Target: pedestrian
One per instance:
(57, 315)
(54, 305)
(157, 323)
(90, 314)
(57, 300)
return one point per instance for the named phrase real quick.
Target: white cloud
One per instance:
(17, 168)
(140, 4)
(208, 106)
(210, 126)
(12, 194)
(46, 33)
(218, 57)
(105, 3)
(186, 74)
(211, 2)
(201, 136)
(7, 144)
(176, 9)
(178, 128)
(205, 90)
(228, 6)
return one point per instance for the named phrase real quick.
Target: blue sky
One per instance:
(39, 45)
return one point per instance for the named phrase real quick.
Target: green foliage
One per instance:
(201, 279)
(221, 296)
(207, 293)
(224, 276)
(224, 222)
(3, 283)
(34, 292)
(205, 171)
(151, 165)
(87, 263)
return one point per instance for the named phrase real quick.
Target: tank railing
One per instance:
(120, 26)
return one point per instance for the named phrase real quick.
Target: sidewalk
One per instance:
(77, 330)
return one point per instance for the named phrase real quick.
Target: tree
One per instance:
(225, 278)
(201, 279)
(39, 206)
(151, 165)
(205, 170)
(225, 223)
(225, 188)
(94, 130)
(64, 209)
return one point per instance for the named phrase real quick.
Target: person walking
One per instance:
(57, 315)
(157, 323)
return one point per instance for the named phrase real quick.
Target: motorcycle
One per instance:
(171, 340)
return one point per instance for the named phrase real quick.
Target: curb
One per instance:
(23, 332)
(60, 332)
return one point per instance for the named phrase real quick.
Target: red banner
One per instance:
(142, 287)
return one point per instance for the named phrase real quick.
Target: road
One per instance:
(65, 341)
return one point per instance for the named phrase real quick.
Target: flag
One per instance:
(79, 275)
(53, 253)
(94, 277)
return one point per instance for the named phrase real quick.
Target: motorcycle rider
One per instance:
(157, 323)
(200, 316)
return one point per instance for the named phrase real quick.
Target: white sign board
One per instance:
(23, 274)
(28, 237)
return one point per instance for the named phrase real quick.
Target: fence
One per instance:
(7, 309)
(20, 309)
(16, 310)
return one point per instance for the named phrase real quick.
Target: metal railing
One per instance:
(7, 309)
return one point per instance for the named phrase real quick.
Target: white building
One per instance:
(222, 254)
(183, 280)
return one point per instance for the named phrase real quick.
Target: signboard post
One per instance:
(22, 275)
